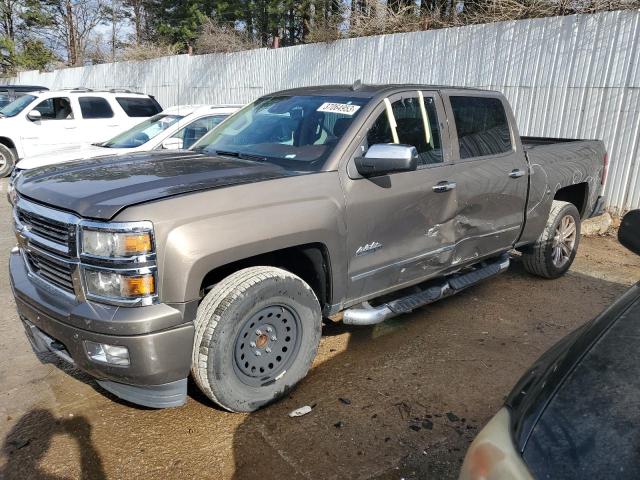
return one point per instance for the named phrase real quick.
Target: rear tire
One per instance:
(256, 335)
(554, 251)
(7, 161)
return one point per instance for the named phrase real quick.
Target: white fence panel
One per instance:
(575, 76)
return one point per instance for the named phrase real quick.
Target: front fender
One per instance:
(200, 232)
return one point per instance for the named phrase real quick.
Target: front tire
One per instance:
(256, 335)
(7, 161)
(554, 251)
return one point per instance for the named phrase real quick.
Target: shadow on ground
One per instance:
(30, 439)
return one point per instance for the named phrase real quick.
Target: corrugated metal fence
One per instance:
(575, 76)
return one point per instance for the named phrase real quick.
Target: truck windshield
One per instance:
(143, 132)
(18, 105)
(294, 132)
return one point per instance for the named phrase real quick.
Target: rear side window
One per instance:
(139, 107)
(95, 107)
(482, 126)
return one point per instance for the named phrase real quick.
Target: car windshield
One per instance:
(143, 132)
(18, 105)
(295, 132)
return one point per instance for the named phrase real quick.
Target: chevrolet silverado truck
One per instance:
(221, 262)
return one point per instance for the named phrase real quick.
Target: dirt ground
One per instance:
(399, 400)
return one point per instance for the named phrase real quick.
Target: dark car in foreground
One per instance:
(574, 414)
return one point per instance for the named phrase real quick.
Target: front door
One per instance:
(57, 128)
(398, 223)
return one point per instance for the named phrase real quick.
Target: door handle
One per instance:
(444, 186)
(516, 173)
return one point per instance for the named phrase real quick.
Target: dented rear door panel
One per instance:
(491, 193)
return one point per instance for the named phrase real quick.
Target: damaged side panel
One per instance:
(555, 166)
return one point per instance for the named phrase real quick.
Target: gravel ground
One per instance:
(399, 400)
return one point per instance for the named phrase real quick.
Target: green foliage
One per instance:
(176, 22)
(34, 55)
(31, 54)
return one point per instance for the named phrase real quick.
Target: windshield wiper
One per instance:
(227, 153)
(243, 156)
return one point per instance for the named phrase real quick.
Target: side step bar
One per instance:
(368, 315)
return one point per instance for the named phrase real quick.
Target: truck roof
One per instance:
(367, 90)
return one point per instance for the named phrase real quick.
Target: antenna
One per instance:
(357, 85)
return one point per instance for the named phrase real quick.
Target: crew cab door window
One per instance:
(482, 126)
(410, 121)
(58, 108)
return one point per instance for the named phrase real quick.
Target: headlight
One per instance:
(117, 260)
(126, 241)
(119, 286)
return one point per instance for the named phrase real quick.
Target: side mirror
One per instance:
(172, 144)
(629, 232)
(34, 116)
(386, 158)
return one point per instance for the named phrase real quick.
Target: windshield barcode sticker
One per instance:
(343, 108)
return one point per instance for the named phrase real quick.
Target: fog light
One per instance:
(104, 353)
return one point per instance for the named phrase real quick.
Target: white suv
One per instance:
(41, 121)
(172, 129)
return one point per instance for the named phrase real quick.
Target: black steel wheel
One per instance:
(267, 344)
(256, 335)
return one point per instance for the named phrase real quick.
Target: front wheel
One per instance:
(7, 161)
(256, 335)
(554, 251)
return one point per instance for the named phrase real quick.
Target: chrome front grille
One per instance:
(57, 272)
(50, 229)
(47, 239)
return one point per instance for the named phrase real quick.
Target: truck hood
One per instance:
(66, 154)
(103, 187)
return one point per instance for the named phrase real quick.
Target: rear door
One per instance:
(490, 172)
(99, 121)
(397, 223)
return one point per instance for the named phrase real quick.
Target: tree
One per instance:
(176, 22)
(65, 24)
(9, 12)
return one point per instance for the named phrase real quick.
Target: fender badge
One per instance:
(368, 248)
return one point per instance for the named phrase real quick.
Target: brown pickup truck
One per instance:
(222, 261)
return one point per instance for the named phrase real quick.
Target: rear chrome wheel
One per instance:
(564, 241)
(556, 247)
